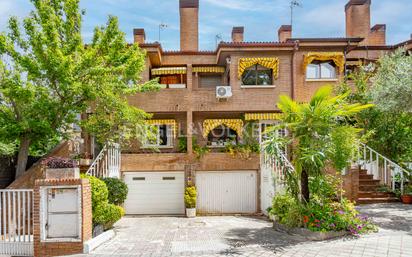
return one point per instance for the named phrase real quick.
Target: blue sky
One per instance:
(261, 18)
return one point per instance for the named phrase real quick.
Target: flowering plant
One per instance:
(59, 163)
(336, 216)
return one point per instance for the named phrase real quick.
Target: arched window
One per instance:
(321, 70)
(222, 136)
(257, 75)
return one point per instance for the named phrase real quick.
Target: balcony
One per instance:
(178, 161)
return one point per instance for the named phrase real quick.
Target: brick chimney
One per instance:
(237, 34)
(358, 18)
(139, 36)
(189, 25)
(377, 36)
(284, 33)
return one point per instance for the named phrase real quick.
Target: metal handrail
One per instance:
(390, 168)
(107, 162)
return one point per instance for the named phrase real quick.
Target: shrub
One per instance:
(59, 163)
(104, 213)
(326, 187)
(322, 213)
(287, 210)
(107, 214)
(117, 190)
(190, 197)
(336, 216)
(99, 190)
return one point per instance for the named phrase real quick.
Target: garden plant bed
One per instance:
(309, 235)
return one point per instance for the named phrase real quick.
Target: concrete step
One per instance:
(365, 176)
(374, 194)
(365, 182)
(368, 200)
(368, 188)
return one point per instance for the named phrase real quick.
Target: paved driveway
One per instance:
(253, 236)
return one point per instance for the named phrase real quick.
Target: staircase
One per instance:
(375, 171)
(107, 163)
(368, 190)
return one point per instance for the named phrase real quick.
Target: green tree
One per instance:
(388, 132)
(48, 76)
(392, 83)
(319, 134)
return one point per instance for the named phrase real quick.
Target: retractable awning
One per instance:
(337, 57)
(262, 116)
(169, 71)
(235, 124)
(270, 63)
(209, 69)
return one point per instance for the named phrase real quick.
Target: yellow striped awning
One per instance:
(262, 116)
(337, 57)
(235, 124)
(270, 63)
(170, 122)
(169, 71)
(209, 69)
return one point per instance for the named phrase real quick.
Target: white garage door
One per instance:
(226, 192)
(155, 193)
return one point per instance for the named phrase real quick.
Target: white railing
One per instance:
(381, 167)
(107, 163)
(16, 222)
(274, 170)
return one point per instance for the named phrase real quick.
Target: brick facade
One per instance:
(192, 105)
(46, 249)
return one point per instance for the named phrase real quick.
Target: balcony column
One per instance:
(189, 115)
(189, 132)
(189, 77)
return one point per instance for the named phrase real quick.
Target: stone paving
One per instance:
(254, 236)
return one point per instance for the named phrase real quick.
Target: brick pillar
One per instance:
(189, 132)
(351, 184)
(58, 247)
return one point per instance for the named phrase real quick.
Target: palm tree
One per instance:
(318, 133)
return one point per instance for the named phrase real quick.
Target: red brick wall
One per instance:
(27, 180)
(46, 249)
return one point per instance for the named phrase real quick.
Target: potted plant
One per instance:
(85, 159)
(406, 197)
(60, 168)
(190, 201)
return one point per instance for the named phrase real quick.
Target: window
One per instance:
(171, 80)
(257, 75)
(321, 70)
(162, 136)
(222, 136)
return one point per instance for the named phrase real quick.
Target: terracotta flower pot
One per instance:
(406, 199)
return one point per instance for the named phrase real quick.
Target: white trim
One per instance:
(257, 86)
(322, 80)
(44, 212)
(169, 135)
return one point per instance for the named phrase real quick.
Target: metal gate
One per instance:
(16, 222)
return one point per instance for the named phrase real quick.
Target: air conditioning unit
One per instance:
(223, 92)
